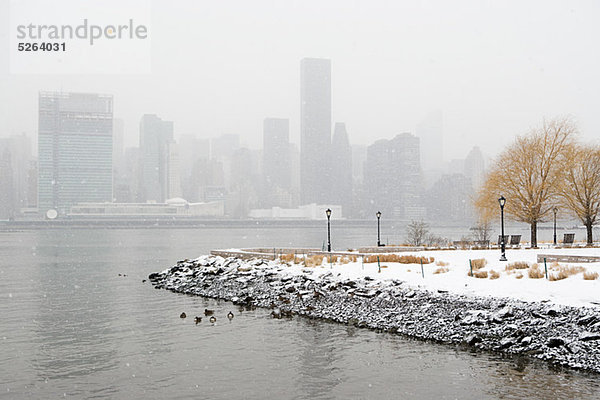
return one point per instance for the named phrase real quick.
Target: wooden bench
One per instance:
(515, 240)
(505, 239)
(568, 239)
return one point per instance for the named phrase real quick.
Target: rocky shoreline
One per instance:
(561, 335)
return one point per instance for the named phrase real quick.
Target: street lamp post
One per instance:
(378, 236)
(328, 213)
(555, 211)
(502, 201)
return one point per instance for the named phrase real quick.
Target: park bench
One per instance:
(506, 237)
(568, 239)
(515, 240)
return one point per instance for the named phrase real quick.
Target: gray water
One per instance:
(72, 327)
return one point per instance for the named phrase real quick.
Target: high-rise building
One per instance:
(16, 151)
(475, 167)
(156, 138)
(191, 151)
(393, 178)
(430, 132)
(75, 150)
(449, 200)
(276, 163)
(7, 187)
(315, 128)
(341, 169)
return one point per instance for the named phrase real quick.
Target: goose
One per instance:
(230, 315)
(198, 320)
(213, 320)
(208, 312)
(182, 315)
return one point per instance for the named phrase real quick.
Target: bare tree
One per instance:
(417, 232)
(527, 173)
(580, 187)
(482, 230)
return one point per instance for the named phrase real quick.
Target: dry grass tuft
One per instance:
(565, 272)
(517, 265)
(478, 263)
(535, 272)
(314, 260)
(441, 270)
(287, 257)
(590, 276)
(441, 264)
(519, 276)
(480, 274)
(494, 274)
(398, 259)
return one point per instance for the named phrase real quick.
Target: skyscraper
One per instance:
(315, 128)
(277, 164)
(430, 132)
(475, 167)
(156, 137)
(75, 150)
(393, 178)
(341, 169)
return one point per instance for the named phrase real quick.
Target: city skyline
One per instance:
(494, 71)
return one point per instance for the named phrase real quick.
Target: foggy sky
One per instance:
(495, 69)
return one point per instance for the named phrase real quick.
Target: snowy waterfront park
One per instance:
(464, 297)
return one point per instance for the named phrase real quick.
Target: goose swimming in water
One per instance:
(208, 312)
(230, 315)
(198, 320)
(182, 315)
(213, 320)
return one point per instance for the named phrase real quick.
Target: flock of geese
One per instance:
(207, 313)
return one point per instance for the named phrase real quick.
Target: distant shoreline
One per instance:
(190, 223)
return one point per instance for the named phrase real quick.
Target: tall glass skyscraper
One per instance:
(75, 150)
(315, 127)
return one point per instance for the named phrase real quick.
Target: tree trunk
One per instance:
(534, 234)
(588, 226)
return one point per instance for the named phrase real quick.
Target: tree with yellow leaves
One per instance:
(527, 173)
(580, 186)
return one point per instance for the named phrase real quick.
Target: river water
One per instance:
(71, 327)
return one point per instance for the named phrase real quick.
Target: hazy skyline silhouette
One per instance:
(495, 70)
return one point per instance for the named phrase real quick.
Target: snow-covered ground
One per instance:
(573, 291)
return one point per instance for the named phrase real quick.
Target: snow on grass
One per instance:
(524, 278)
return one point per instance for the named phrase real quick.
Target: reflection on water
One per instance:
(71, 326)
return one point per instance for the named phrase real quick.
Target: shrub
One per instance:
(441, 264)
(534, 272)
(416, 232)
(564, 272)
(517, 265)
(441, 271)
(590, 276)
(287, 257)
(478, 263)
(314, 260)
(398, 259)
(494, 274)
(481, 274)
